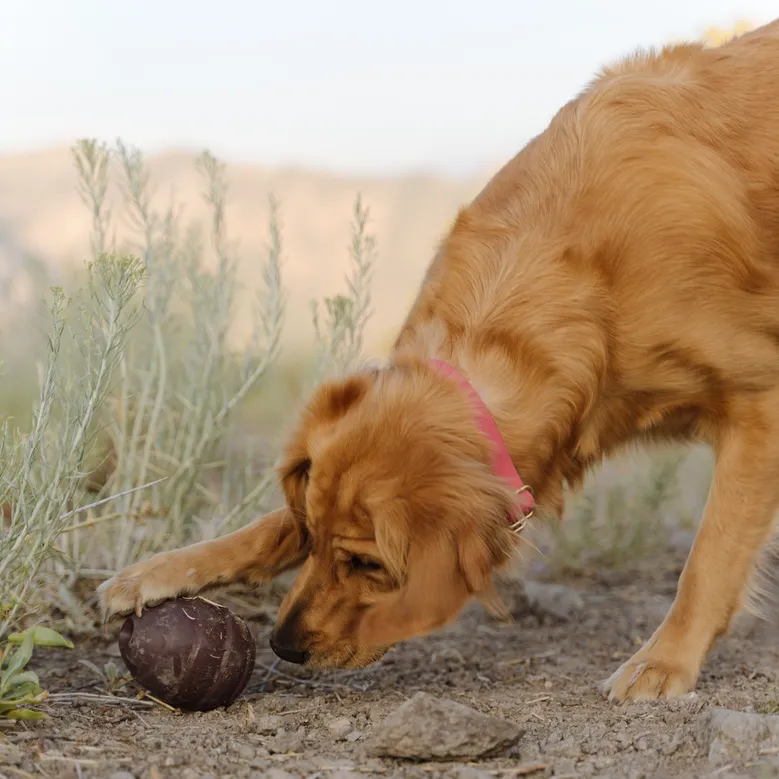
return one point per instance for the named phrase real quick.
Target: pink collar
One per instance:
(502, 464)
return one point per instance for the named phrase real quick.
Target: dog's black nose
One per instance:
(290, 654)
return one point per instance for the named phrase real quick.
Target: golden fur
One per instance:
(616, 282)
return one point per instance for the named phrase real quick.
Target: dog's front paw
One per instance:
(146, 583)
(644, 677)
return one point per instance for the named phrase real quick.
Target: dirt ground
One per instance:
(539, 671)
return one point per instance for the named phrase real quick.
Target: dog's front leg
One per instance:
(737, 521)
(264, 548)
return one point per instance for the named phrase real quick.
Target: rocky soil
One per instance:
(480, 699)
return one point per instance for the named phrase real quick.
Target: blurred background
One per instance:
(410, 106)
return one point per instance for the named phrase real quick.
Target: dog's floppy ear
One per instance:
(432, 595)
(293, 473)
(442, 568)
(331, 401)
(335, 398)
(482, 550)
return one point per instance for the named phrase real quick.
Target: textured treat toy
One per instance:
(190, 653)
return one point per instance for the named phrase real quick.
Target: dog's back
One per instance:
(644, 221)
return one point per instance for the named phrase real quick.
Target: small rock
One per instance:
(472, 773)
(527, 769)
(355, 735)
(342, 764)
(340, 727)
(429, 728)
(276, 773)
(244, 751)
(376, 713)
(10, 755)
(728, 735)
(285, 742)
(373, 766)
(768, 766)
(568, 747)
(556, 600)
(565, 767)
(269, 723)
(510, 588)
(673, 745)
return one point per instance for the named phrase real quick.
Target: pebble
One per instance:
(272, 773)
(467, 772)
(340, 727)
(269, 723)
(729, 735)
(285, 742)
(555, 600)
(244, 751)
(430, 728)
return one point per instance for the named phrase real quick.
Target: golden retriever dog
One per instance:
(616, 282)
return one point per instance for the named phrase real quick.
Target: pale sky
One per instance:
(345, 85)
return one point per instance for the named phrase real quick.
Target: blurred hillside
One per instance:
(43, 218)
(44, 225)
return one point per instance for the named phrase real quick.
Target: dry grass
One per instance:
(629, 512)
(150, 430)
(132, 443)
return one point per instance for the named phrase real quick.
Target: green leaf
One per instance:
(33, 696)
(25, 677)
(24, 714)
(17, 661)
(27, 700)
(43, 636)
(23, 693)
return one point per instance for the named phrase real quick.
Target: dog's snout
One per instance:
(286, 639)
(288, 653)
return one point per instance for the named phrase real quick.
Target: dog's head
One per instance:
(395, 510)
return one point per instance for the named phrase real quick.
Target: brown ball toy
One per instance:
(189, 652)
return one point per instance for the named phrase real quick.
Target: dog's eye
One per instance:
(363, 564)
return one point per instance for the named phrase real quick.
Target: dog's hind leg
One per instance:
(737, 521)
